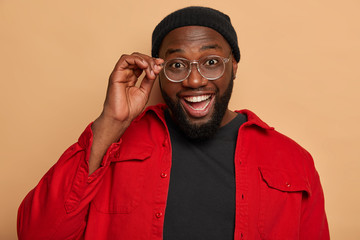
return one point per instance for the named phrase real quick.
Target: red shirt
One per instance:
(278, 191)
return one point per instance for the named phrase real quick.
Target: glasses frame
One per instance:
(224, 60)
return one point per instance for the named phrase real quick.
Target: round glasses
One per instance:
(210, 67)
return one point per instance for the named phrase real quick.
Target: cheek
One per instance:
(225, 80)
(171, 89)
(223, 85)
(230, 72)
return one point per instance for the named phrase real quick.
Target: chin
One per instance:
(200, 129)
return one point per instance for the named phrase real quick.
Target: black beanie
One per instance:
(196, 16)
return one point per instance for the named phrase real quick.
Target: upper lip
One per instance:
(197, 98)
(195, 93)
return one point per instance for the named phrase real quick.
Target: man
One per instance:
(190, 169)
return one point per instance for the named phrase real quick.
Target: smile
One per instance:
(198, 102)
(198, 106)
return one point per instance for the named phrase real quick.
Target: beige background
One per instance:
(299, 72)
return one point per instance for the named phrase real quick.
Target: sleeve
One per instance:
(314, 223)
(57, 207)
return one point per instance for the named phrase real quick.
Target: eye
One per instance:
(211, 61)
(176, 65)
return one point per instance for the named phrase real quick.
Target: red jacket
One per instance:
(278, 191)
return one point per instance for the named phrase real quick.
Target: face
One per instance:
(199, 106)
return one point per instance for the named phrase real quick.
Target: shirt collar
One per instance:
(253, 119)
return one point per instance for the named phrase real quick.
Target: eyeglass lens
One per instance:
(210, 67)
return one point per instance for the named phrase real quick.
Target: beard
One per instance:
(200, 132)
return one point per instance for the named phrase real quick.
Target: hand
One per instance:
(124, 101)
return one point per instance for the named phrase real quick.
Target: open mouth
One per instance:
(198, 102)
(198, 106)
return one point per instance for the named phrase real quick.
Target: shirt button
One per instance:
(163, 174)
(288, 184)
(158, 214)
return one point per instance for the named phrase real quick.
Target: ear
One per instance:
(234, 66)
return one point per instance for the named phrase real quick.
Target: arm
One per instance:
(124, 101)
(313, 217)
(57, 207)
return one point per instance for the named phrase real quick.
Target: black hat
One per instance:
(196, 16)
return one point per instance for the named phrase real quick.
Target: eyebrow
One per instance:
(213, 46)
(203, 48)
(173, 50)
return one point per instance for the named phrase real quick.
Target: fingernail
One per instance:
(158, 60)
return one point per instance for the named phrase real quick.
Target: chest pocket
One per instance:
(281, 196)
(122, 187)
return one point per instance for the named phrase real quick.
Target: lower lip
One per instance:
(197, 113)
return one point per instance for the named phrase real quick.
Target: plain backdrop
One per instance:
(299, 72)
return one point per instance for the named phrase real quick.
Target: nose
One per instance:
(194, 80)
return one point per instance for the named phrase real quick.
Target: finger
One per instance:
(130, 62)
(149, 70)
(155, 64)
(159, 61)
(128, 68)
(157, 68)
(146, 86)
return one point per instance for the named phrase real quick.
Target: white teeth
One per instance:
(200, 108)
(197, 98)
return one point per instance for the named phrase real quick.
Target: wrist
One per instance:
(107, 130)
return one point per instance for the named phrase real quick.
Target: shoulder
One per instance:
(150, 123)
(151, 112)
(274, 148)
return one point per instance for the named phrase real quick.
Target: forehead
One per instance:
(192, 39)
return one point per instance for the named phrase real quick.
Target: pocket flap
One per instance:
(140, 151)
(284, 180)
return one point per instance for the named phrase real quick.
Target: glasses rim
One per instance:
(224, 60)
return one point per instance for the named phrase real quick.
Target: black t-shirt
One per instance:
(201, 199)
